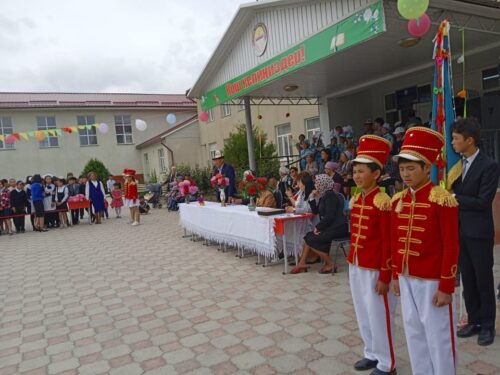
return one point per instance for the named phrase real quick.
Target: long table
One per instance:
(235, 225)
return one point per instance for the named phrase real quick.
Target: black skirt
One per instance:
(323, 241)
(39, 211)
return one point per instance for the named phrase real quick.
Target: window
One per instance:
(87, 137)
(424, 94)
(6, 130)
(47, 123)
(225, 110)
(491, 78)
(312, 126)
(283, 139)
(161, 160)
(146, 166)
(390, 102)
(241, 105)
(212, 147)
(123, 128)
(210, 115)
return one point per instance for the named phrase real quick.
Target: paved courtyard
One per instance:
(115, 299)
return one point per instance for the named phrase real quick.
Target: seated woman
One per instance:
(299, 202)
(332, 224)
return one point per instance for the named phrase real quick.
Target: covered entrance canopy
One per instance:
(350, 54)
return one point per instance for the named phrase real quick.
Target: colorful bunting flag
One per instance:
(24, 136)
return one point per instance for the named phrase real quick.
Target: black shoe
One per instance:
(380, 372)
(468, 331)
(365, 364)
(486, 336)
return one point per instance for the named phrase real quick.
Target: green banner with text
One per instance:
(357, 28)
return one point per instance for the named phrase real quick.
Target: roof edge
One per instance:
(167, 132)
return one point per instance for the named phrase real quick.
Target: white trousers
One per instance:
(430, 330)
(375, 316)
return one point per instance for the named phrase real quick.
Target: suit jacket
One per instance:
(227, 171)
(475, 197)
(331, 212)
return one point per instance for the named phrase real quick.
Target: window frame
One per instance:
(49, 139)
(87, 133)
(312, 131)
(283, 139)
(161, 160)
(126, 136)
(211, 117)
(225, 110)
(211, 153)
(3, 131)
(496, 77)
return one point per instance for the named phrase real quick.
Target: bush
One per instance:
(201, 175)
(97, 166)
(236, 152)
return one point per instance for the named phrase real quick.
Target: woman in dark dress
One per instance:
(94, 191)
(332, 224)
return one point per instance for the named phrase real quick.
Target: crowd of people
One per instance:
(47, 201)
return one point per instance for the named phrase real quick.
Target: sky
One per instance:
(143, 46)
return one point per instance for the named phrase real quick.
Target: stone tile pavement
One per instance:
(115, 299)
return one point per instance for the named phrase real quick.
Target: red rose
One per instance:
(249, 178)
(252, 190)
(262, 181)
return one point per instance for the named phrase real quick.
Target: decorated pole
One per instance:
(448, 168)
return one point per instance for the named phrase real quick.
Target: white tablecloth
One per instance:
(235, 225)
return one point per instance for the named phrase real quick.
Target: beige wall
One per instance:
(219, 129)
(28, 158)
(185, 145)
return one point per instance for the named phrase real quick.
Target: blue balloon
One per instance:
(171, 118)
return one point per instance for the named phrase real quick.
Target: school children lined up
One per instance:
(46, 200)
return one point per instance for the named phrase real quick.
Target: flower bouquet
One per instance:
(220, 182)
(187, 189)
(251, 188)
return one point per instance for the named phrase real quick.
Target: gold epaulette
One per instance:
(399, 198)
(353, 199)
(453, 174)
(442, 197)
(382, 201)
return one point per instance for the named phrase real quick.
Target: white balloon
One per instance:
(171, 118)
(103, 128)
(140, 125)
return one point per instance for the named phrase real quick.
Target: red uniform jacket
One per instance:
(131, 191)
(424, 232)
(370, 233)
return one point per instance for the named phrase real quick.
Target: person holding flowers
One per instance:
(223, 170)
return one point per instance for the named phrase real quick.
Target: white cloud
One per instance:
(112, 45)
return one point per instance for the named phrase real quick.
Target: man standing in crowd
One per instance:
(424, 228)
(227, 171)
(377, 126)
(475, 190)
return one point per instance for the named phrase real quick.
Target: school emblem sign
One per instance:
(259, 39)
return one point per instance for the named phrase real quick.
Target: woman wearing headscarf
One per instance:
(332, 224)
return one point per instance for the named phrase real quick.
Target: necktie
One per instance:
(465, 162)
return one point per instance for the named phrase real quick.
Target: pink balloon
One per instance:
(10, 140)
(419, 27)
(204, 116)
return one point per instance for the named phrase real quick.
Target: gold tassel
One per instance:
(399, 197)
(453, 175)
(442, 197)
(382, 201)
(353, 200)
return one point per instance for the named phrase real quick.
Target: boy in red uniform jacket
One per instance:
(424, 227)
(370, 258)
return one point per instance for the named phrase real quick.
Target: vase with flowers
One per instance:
(220, 182)
(187, 189)
(251, 188)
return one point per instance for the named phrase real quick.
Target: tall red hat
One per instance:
(128, 172)
(373, 149)
(422, 144)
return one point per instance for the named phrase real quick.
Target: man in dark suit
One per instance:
(227, 171)
(475, 190)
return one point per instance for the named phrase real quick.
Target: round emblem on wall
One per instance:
(259, 39)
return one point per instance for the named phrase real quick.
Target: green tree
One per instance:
(97, 166)
(236, 152)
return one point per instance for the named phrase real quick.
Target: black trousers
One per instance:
(19, 220)
(476, 268)
(74, 216)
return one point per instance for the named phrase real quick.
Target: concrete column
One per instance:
(324, 119)
(251, 151)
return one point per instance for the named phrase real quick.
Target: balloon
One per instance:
(204, 116)
(40, 136)
(171, 118)
(419, 27)
(412, 9)
(140, 125)
(10, 140)
(103, 128)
